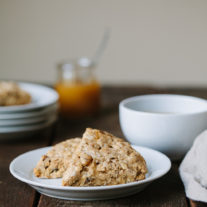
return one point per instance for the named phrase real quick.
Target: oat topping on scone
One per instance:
(55, 162)
(12, 94)
(103, 159)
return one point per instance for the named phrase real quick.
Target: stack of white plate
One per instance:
(23, 120)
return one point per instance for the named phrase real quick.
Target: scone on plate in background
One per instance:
(55, 162)
(102, 159)
(11, 94)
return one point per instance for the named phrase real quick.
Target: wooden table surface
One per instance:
(166, 191)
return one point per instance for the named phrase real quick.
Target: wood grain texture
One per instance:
(197, 204)
(167, 191)
(14, 193)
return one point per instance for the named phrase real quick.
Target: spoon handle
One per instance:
(101, 46)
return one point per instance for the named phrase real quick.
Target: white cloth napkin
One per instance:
(193, 169)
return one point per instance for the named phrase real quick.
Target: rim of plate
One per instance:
(31, 114)
(29, 127)
(4, 123)
(27, 121)
(32, 86)
(92, 188)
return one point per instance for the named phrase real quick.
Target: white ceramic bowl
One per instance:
(168, 123)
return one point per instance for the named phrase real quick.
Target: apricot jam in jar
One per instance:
(79, 91)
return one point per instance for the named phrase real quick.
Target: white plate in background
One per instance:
(29, 114)
(27, 127)
(25, 121)
(21, 167)
(12, 132)
(42, 96)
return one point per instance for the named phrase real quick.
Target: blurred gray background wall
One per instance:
(160, 42)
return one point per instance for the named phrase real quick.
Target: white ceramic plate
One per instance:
(7, 133)
(24, 121)
(22, 168)
(29, 114)
(28, 127)
(42, 96)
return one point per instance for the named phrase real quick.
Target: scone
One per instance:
(103, 159)
(11, 94)
(55, 162)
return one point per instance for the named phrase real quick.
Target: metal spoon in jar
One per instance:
(86, 62)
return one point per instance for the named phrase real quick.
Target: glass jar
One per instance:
(78, 89)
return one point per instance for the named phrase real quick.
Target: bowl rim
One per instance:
(123, 103)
